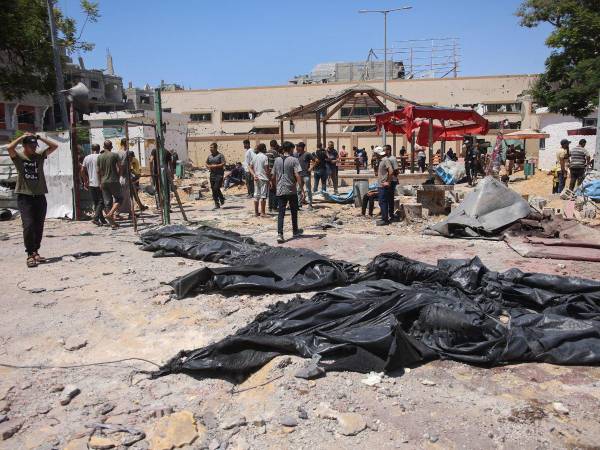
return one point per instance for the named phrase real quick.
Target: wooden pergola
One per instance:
(324, 109)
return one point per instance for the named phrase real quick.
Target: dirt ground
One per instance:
(113, 305)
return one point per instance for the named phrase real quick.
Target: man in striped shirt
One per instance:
(578, 161)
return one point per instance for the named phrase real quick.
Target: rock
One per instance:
(351, 424)
(100, 443)
(57, 388)
(233, 421)
(560, 408)
(288, 421)
(309, 372)
(283, 362)
(4, 406)
(428, 383)
(105, 408)
(433, 438)
(77, 444)
(106, 273)
(44, 409)
(69, 258)
(302, 414)
(69, 393)
(372, 379)
(73, 343)
(175, 430)
(214, 444)
(128, 271)
(324, 411)
(3, 418)
(589, 213)
(159, 412)
(9, 428)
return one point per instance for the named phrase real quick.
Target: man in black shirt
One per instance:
(320, 168)
(304, 189)
(215, 163)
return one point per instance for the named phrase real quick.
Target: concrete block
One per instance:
(433, 200)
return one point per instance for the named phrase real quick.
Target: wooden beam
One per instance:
(318, 120)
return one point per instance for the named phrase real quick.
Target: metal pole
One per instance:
(597, 153)
(430, 146)
(60, 81)
(75, 162)
(383, 136)
(160, 145)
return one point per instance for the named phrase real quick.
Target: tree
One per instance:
(571, 81)
(25, 49)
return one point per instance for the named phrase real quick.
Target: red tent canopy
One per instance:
(452, 124)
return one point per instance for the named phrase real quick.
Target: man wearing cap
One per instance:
(385, 172)
(286, 177)
(562, 157)
(578, 161)
(31, 191)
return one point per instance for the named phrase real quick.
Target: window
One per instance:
(144, 99)
(167, 110)
(511, 125)
(26, 118)
(362, 111)
(503, 108)
(94, 84)
(590, 122)
(237, 116)
(201, 117)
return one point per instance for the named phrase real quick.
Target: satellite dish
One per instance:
(79, 95)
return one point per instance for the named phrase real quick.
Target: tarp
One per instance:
(590, 189)
(253, 265)
(408, 313)
(485, 211)
(341, 199)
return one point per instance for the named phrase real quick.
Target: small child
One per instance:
(554, 172)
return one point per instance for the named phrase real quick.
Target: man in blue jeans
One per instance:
(304, 189)
(385, 172)
(286, 177)
(320, 168)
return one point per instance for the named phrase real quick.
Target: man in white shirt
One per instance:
(259, 170)
(89, 177)
(248, 156)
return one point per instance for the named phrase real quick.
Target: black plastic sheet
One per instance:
(456, 310)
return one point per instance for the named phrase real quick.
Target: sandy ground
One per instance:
(114, 302)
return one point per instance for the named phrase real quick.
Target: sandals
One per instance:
(31, 262)
(39, 259)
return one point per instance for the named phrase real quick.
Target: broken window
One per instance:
(144, 99)
(507, 125)
(502, 108)
(589, 122)
(201, 117)
(237, 116)
(94, 84)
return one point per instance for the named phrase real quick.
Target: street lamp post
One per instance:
(385, 12)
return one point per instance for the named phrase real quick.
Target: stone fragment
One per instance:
(428, 383)
(9, 428)
(69, 393)
(4, 406)
(288, 421)
(3, 418)
(372, 379)
(233, 421)
(214, 444)
(351, 424)
(57, 388)
(560, 408)
(77, 444)
(309, 372)
(105, 408)
(325, 412)
(173, 431)
(100, 443)
(159, 412)
(73, 343)
(302, 414)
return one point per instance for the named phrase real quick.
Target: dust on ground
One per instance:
(114, 305)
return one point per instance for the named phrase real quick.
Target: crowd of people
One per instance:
(571, 163)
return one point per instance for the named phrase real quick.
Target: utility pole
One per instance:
(60, 81)
(385, 12)
(597, 153)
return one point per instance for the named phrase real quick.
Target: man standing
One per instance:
(174, 159)
(259, 169)
(109, 171)
(578, 161)
(394, 181)
(89, 176)
(286, 176)
(31, 191)
(320, 168)
(511, 155)
(248, 156)
(215, 163)
(332, 169)
(562, 158)
(304, 158)
(421, 159)
(272, 154)
(385, 173)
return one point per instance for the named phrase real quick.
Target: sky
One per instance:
(204, 44)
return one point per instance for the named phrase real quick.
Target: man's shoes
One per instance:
(39, 259)
(298, 232)
(310, 207)
(280, 239)
(31, 262)
(222, 201)
(217, 206)
(381, 223)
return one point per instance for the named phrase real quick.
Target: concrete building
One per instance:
(350, 71)
(557, 126)
(228, 116)
(142, 139)
(24, 114)
(139, 99)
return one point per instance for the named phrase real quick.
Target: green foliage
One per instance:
(25, 46)
(571, 81)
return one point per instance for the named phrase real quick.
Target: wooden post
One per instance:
(430, 166)
(128, 177)
(160, 146)
(412, 153)
(394, 144)
(318, 119)
(281, 132)
(75, 162)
